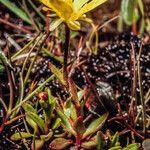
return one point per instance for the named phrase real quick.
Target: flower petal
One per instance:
(46, 3)
(79, 3)
(62, 8)
(74, 25)
(45, 8)
(84, 18)
(89, 6)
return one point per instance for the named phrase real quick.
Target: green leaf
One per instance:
(28, 108)
(19, 12)
(2, 69)
(60, 143)
(73, 34)
(57, 73)
(134, 146)
(80, 94)
(4, 59)
(115, 148)
(69, 110)
(20, 135)
(95, 125)
(48, 106)
(56, 124)
(128, 11)
(99, 140)
(115, 139)
(142, 26)
(47, 137)
(39, 121)
(65, 122)
(37, 144)
(136, 15)
(52, 102)
(141, 6)
(32, 123)
(51, 98)
(73, 92)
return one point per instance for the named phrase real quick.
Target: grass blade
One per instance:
(16, 10)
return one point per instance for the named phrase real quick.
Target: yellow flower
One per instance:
(71, 11)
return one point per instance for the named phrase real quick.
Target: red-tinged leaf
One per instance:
(65, 122)
(95, 125)
(59, 143)
(37, 144)
(79, 126)
(90, 144)
(20, 135)
(90, 98)
(134, 146)
(73, 91)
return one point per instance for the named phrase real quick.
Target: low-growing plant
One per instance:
(42, 124)
(72, 118)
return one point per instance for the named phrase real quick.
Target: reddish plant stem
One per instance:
(66, 51)
(133, 74)
(47, 25)
(126, 124)
(78, 141)
(134, 28)
(141, 92)
(14, 119)
(93, 88)
(3, 124)
(4, 21)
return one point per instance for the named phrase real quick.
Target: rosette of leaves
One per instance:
(41, 123)
(85, 135)
(77, 133)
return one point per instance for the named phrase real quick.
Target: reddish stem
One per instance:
(47, 24)
(78, 141)
(134, 28)
(4, 21)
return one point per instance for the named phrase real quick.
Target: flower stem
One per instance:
(141, 92)
(66, 50)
